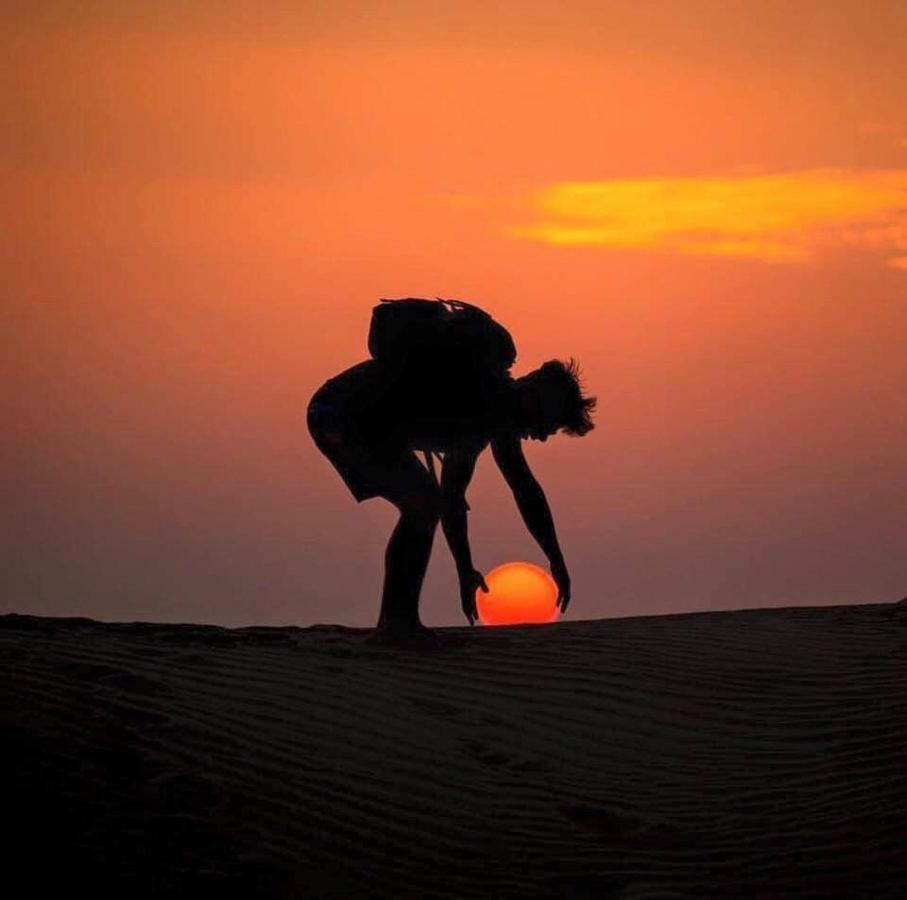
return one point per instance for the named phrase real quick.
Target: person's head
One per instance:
(551, 399)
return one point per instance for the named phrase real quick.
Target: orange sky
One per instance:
(704, 202)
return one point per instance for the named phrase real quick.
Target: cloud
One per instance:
(784, 217)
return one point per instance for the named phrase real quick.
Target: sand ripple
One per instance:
(749, 754)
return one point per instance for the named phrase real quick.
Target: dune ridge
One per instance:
(756, 753)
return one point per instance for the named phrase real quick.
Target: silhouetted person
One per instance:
(369, 423)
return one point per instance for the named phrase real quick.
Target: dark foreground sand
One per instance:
(743, 754)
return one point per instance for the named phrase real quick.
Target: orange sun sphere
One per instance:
(518, 592)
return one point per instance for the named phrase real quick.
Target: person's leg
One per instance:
(406, 558)
(398, 476)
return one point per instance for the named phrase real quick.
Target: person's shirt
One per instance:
(393, 412)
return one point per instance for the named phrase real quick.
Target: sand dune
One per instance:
(751, 754)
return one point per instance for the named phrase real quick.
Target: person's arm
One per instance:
(533, 506)
(456, 473)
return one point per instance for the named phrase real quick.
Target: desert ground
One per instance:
(756, 753)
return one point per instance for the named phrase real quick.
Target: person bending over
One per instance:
(370, 426)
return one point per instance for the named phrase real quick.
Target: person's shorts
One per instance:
(368, 471)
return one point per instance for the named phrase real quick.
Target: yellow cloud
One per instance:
(779, 218)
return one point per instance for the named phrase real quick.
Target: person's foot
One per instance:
(406, 635)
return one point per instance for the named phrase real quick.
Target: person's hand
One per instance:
(562, 579)
(470, 582)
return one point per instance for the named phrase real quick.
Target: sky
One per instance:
(704, 203)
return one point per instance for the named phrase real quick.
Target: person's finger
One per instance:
(482, 582)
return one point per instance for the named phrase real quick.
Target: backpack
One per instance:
(428, 337)
(449, 347)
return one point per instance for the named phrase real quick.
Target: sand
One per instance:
(737, 754)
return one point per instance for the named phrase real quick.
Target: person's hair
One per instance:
(566, 375)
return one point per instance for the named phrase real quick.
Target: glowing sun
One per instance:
(518, 592)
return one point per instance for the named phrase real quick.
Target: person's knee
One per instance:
(421, 507)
